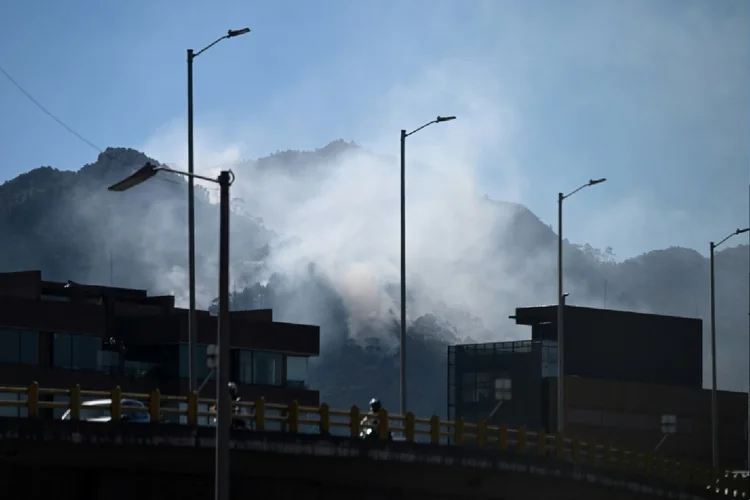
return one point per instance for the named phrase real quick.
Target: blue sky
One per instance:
(654, 95)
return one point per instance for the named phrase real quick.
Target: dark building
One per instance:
(623, 346)
(63, 334)
(625, 372)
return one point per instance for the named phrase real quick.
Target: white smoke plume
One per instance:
(343, 214)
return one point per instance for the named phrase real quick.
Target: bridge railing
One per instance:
(294, 418)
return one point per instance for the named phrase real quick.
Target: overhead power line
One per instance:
(67, 127)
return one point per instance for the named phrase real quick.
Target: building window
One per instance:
(549, 359)
(469, 387)
(244, 366)
(266, 368)
(201, 366)
(76, 352)
(296, 371)
(109, 361)
(668, 424)
(503, 389)
(484, 386)
(19, 347)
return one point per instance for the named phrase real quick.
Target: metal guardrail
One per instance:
(324, 420)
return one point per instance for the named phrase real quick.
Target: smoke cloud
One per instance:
(340, 210)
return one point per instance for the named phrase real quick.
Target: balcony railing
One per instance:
(261, 415)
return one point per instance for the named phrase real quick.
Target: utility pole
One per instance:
(192, 326)
(404, 135)
(192, 322)
(561, 307)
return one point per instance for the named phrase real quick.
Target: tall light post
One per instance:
(404, 135)
(223, 409)
(714, 403)
(192, 323)
(561, 306)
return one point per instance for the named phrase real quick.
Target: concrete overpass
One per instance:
(82, 460)
(86, 460)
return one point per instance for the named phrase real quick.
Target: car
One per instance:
(99, 411)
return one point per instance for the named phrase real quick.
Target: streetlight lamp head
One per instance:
(741, 231)
(233, 33)
(594, 182)
(141, 175)
(441, 119)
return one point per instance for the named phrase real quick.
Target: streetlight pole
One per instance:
(223, 418)
(192, 323)
(714, 402)
(404, 135)
(561, 306)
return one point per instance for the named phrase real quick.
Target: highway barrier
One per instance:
(264, 416)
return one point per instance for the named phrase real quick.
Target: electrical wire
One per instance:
(68, 128)
(82, 138)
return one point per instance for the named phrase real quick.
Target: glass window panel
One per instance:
(244, 367)
(109, 361)
(503, 389)
(296, 371)
(85, 352)
(468, 387)
(267, 368)
(61, 350)
(201, 367)
(28, 347)
(9, 346)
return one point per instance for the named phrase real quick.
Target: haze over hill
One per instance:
(315, 236)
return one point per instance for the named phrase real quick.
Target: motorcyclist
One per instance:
(236, 423)
(369, 425)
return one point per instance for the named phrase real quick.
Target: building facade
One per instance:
(63, 334)
(623, 346)
(626, 375)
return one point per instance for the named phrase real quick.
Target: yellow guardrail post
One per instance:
(192, 408)
(260, 414)
(324, 424)
(409, 427)
(522, 439)
(435, 429)
(293, 417)
(482, 434)
(383, 424)
(75, 403)
(32, 399)
(116, 405)
(575, 445)
(592, 452)
(154, 405)
(458, 431)
(541, 442)
(648, 463)
(607, 455)
(684, 472)
(502, 439)
(559, 445)
(354, 421)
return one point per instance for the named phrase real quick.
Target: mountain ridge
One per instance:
(68, 225)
